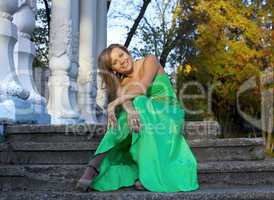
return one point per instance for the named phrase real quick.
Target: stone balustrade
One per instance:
(14, 106)
(78, 34)
(19, 100)
(24, 54)
(61, 104)
(77, 37)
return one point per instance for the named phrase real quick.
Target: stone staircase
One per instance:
(44, 162)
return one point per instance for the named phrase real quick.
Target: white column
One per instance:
(13, 106)
(75, 54)
(101, 25)
(24, 54)
(61, 102)
(101, 43)
(87, 61)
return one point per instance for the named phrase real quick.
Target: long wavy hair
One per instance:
(110, 78)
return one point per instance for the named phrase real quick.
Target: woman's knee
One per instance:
(140, 102)
(140, 98)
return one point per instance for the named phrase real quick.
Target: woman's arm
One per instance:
(127, 105)
(132, 117)
(136, 88)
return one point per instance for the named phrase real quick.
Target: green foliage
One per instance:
(40, 36)
(233, 44)
(167, 33)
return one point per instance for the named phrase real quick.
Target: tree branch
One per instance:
(108, 4)
(47, 14)
(136, 22)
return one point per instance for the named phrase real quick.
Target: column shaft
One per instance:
(87, 60)
(60, 104)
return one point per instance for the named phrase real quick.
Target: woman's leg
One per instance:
(96, 161)
(91, 172)
(138, 185)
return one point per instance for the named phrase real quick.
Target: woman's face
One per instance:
(121, 61)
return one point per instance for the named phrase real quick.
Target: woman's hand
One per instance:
(112, 121)
(133, 121)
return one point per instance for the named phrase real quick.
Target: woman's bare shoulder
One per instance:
(142, 59)
(139, 62)
(161, 69)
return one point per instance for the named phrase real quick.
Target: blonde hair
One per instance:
(111, 79)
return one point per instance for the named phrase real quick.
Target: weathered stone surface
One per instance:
(202, 129)
(239, 193)
(50, 157)
(62, 150)
(192, 130)
(236, 173)
(64, 177)
(227, 142)
(75, 152)
(62, 129)
(228, 149)
(54, 133)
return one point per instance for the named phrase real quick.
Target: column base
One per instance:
(101, 116)
(64, 121)
(15, 110)
(40, 113)
(88, 116)
(42, 118)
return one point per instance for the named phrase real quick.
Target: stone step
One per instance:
(84, 132)
(64, 177)
(54, 133)
(79, 152)
(233, 193)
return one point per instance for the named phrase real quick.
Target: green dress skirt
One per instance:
(158, 155)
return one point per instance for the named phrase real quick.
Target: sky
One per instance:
(117, 24)
(117, 31)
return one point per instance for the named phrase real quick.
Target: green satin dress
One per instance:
(158, 155)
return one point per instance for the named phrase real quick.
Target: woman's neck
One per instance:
(134, 70)
(131, 74)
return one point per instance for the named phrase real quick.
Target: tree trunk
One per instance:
(136, 22)
(47, 14)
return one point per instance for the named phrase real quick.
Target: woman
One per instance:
(144, 145)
